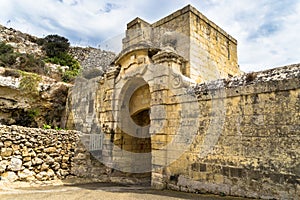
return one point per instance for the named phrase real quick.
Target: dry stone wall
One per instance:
(31, 154)
(90, 58)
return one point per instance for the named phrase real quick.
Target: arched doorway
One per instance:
(132, 152)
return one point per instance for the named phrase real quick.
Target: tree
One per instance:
(55, 45)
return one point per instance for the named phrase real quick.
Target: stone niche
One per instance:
(139, 106)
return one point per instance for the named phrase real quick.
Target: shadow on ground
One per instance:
(103, 191)
(145, 188)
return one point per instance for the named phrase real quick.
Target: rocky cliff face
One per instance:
(22, 104)
(22, 42)
(35, 100)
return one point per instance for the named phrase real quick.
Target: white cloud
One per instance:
(266, 30)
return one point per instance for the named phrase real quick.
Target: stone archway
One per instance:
(143, 139)
(132, 140)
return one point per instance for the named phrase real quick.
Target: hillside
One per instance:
(33, 86)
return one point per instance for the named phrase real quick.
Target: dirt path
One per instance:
(103, 191)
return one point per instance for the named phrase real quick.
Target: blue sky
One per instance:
(268, 31)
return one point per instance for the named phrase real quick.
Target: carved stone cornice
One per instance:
(168, 56)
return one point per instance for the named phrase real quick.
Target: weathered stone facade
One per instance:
(248, 145)
(210, 51)
(234, 136)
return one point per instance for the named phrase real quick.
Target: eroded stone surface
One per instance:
(26, 158)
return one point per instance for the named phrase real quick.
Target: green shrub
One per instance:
(56, 48)
(24, 62)
(57, 128)
(33, 112)
(29, 83)
(8, 59)
(7, 55)
(63, 59)
(66, 59)
(46, 126)
(30, 63)
(55, 45)
(69, 76)
(5, 48)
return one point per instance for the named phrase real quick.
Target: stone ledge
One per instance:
(278, 79)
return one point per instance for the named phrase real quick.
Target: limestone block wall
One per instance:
(210, 52)
(80, 108)
(174, 30)
(248, 138)
(138, 31)
(31, 154)
(213, 52)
